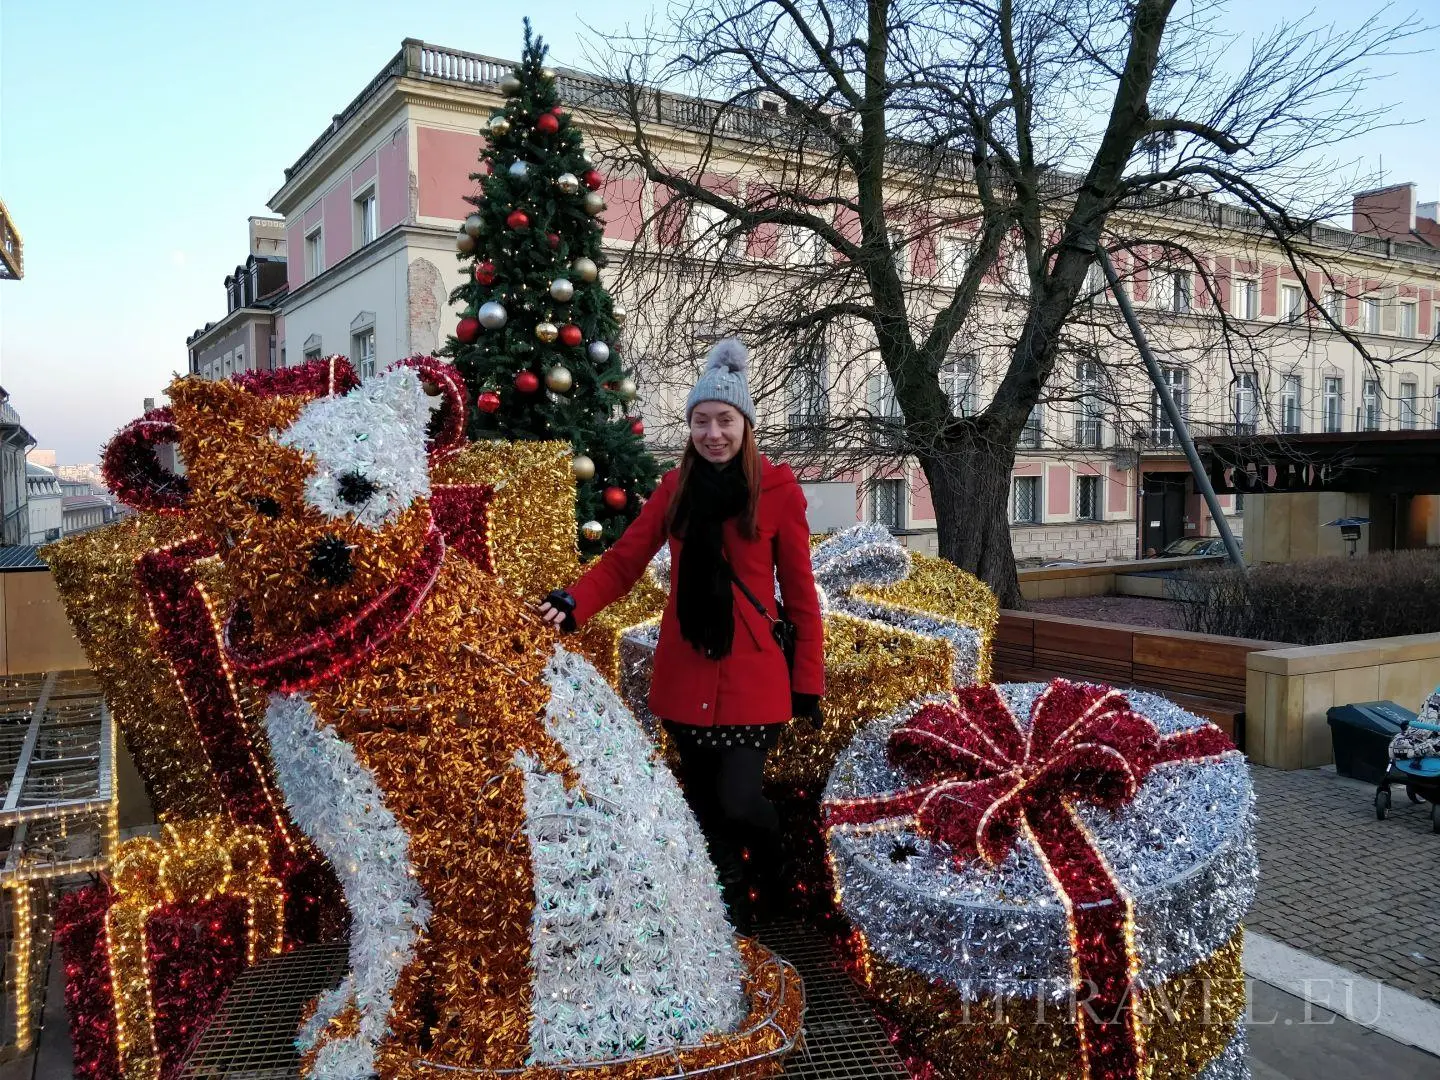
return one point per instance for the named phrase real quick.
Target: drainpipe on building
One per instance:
(1172, 411)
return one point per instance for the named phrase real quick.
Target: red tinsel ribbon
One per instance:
(988, 781)
(324, 653)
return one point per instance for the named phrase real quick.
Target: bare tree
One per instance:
(997, 142)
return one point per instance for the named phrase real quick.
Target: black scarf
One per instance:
(704, 601)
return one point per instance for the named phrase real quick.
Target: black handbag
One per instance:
(782, 629)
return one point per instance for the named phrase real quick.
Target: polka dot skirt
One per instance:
(725, 737)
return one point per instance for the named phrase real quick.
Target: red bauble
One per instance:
(615, 498)
(547, 124)
(468, 330)
(593, 179)
(488, 402)
(518, 220)
(485, 273)
(553, 239)
(570, 335)
(637, 427)
(527, 382)
(558, 111)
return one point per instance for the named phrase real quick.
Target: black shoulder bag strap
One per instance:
(782, 629)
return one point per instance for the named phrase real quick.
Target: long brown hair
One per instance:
(749, 455)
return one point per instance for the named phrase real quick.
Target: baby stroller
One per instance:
(1414, 762)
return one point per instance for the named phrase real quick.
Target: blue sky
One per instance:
(135, 139)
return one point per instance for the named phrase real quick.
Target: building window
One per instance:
(954, 258)
(1180, 292)
(362, 353)
(314, 253)
(898, 251)
(1020, 271)
(240, 359)
(1162, 432)
(365, 219)
(809, 399)
(1087, 498)
(887, 504)
(1335, 306)
(958, 379)
(1025, 500)
(1291, 306)
(1332, 403)
(1246, 403)
(1088, 410)
(711, 236)
(1370, 310)
(802, 247)
(1370, 406)
(1033, 433)
(1409, 323)
(1409, 405)
(1094, 282)
(1247, 298)
(1290, 405)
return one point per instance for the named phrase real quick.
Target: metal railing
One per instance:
(12, 248)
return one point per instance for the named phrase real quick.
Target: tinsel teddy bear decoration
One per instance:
(527, 887)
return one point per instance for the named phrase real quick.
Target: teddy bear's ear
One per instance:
(133, 471)
(447, 425)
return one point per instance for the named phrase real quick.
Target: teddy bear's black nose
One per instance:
(330, 561)
(355, 488)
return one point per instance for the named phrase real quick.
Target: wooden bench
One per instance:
(1199, 672)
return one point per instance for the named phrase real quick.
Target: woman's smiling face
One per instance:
(717, 430)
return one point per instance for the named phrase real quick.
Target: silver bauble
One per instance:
(474, 225)
(618, 313)
(465, 243)
(594, 203)
(510, 85)
(499, 125)
(492, 315)
(597, 352)
(592, 530)
(627, 389)
(559, 379)
(519, 171)
(582, 466)
(585, 269)
(562, 289)
(568, 183)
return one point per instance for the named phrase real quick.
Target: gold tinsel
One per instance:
(94, 573)
(870, 670)
(1187, 1021)
(937, 587)
(192, 862)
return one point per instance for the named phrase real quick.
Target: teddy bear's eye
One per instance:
(354, 488)
(265, 505)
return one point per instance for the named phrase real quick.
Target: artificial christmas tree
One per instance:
(537, 342)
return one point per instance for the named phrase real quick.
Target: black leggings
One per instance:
(724, 786)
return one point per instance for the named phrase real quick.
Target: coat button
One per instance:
(704, 705)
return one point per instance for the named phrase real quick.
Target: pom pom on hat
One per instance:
(728, 355)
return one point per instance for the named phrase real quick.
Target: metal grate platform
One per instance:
(252, 1036)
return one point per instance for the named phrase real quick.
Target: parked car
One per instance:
(1195, 546)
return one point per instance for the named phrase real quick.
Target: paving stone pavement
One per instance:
(1337, 883)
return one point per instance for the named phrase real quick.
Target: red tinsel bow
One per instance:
(988, 780)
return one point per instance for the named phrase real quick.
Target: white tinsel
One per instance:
(335, 801)
(631, 949)
(376, 431)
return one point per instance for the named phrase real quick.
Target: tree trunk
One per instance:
(969, 481)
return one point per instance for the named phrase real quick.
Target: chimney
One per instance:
(1384, 212)
(149, 404)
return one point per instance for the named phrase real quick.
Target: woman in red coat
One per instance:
(721, 684)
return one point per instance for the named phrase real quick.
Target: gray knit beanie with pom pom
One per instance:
(724, 380)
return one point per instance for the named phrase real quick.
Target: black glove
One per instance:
(807, 707)
(561, 600)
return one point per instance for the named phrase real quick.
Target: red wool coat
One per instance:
(751, 685)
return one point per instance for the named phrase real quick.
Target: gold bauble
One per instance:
(547, 332)
(594, 203)
(548, 74)
(465, 243)
(559, 379)
(510, 85)
(583, 467)
(585, 269)
(499, 125)
(592, 530)
(627, 389)
(474, 225)
(619, 314)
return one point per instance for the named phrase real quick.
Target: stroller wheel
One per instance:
(1410, 790)
(1382, 803)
